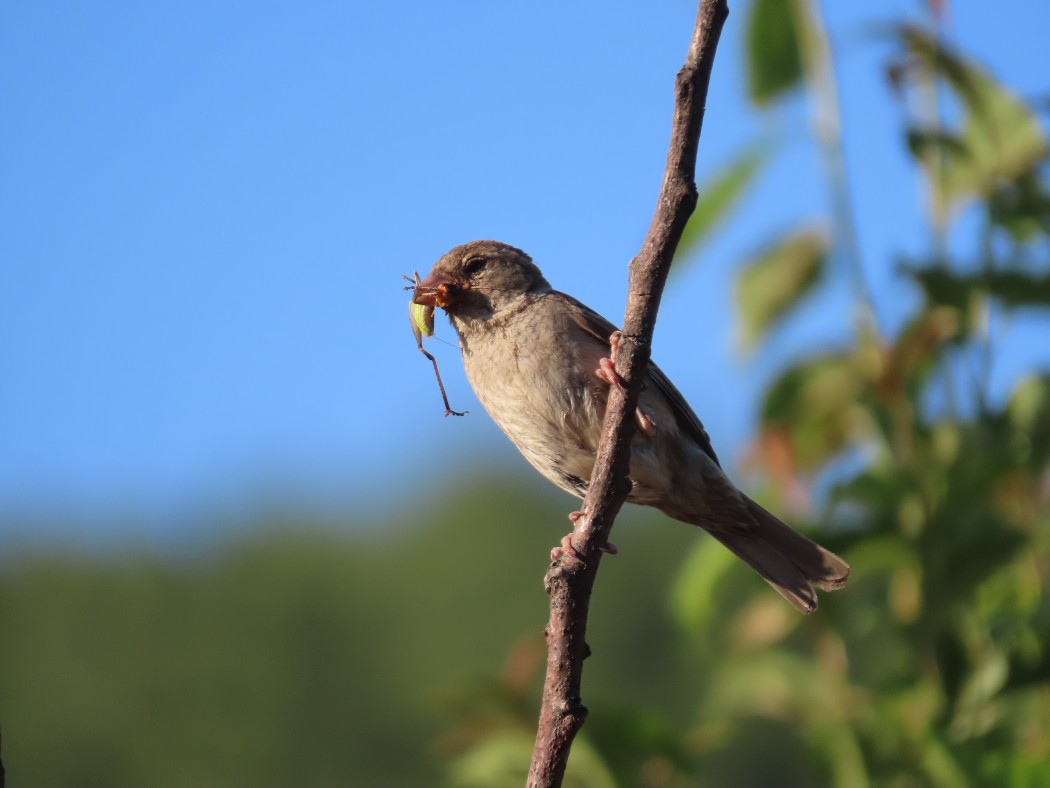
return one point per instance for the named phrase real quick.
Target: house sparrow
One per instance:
(542, 363)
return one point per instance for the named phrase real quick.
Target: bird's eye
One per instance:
(474, 264)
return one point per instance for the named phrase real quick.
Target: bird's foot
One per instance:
(645, 422)
(566, 548)
(607, 366)
(607, 372)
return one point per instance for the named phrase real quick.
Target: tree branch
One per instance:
(569, 582)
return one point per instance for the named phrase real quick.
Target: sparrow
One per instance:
(542, 365)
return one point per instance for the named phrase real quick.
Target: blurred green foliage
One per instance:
(311, 655)
(932, 668)
(409, 653)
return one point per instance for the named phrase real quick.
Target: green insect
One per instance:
(421, 317)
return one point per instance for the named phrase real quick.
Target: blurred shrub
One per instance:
(303, 655)
(933, 666)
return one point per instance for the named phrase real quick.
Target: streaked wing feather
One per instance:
(600, 328)
(687, 419)
(587, 319)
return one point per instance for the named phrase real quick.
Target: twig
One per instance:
(826, 125)
(569, 582)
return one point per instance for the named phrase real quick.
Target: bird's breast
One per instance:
(544, 398)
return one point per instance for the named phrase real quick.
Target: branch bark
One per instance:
(569, 582)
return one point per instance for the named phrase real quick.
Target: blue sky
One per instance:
(206, 209)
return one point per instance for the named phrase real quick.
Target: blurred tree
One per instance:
(307, 654)
(933, 668)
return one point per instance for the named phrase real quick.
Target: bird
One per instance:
(542, 365)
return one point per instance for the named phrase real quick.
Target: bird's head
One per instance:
(479, 279)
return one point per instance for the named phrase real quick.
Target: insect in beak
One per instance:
(421, 318)
(437, 290)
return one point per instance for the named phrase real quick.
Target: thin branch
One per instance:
(569, 582)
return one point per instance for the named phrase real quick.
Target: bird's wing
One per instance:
(687, 419)
(601, 329)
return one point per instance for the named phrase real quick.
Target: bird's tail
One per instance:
(786, 559)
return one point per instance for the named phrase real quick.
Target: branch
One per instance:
(569, 582)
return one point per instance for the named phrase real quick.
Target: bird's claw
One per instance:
(607, 372)
(565, 549)
(645, 423)
(607, 366)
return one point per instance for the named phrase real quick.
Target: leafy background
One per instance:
(361, 647)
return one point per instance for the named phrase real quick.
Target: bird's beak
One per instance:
(439, 290)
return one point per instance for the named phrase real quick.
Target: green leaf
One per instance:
(942, 285)
(776, 280)
(1029, 412)
(925, 144)
(1022, 207)
(776, 684)
(774, 50)
(627, 734)
(720, 194)
(694, 595)
(1012, 288)
(817, 405)
(1029, 406)
(1017, 289)
(1000, 134)
(915, 351)
(502, 758)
